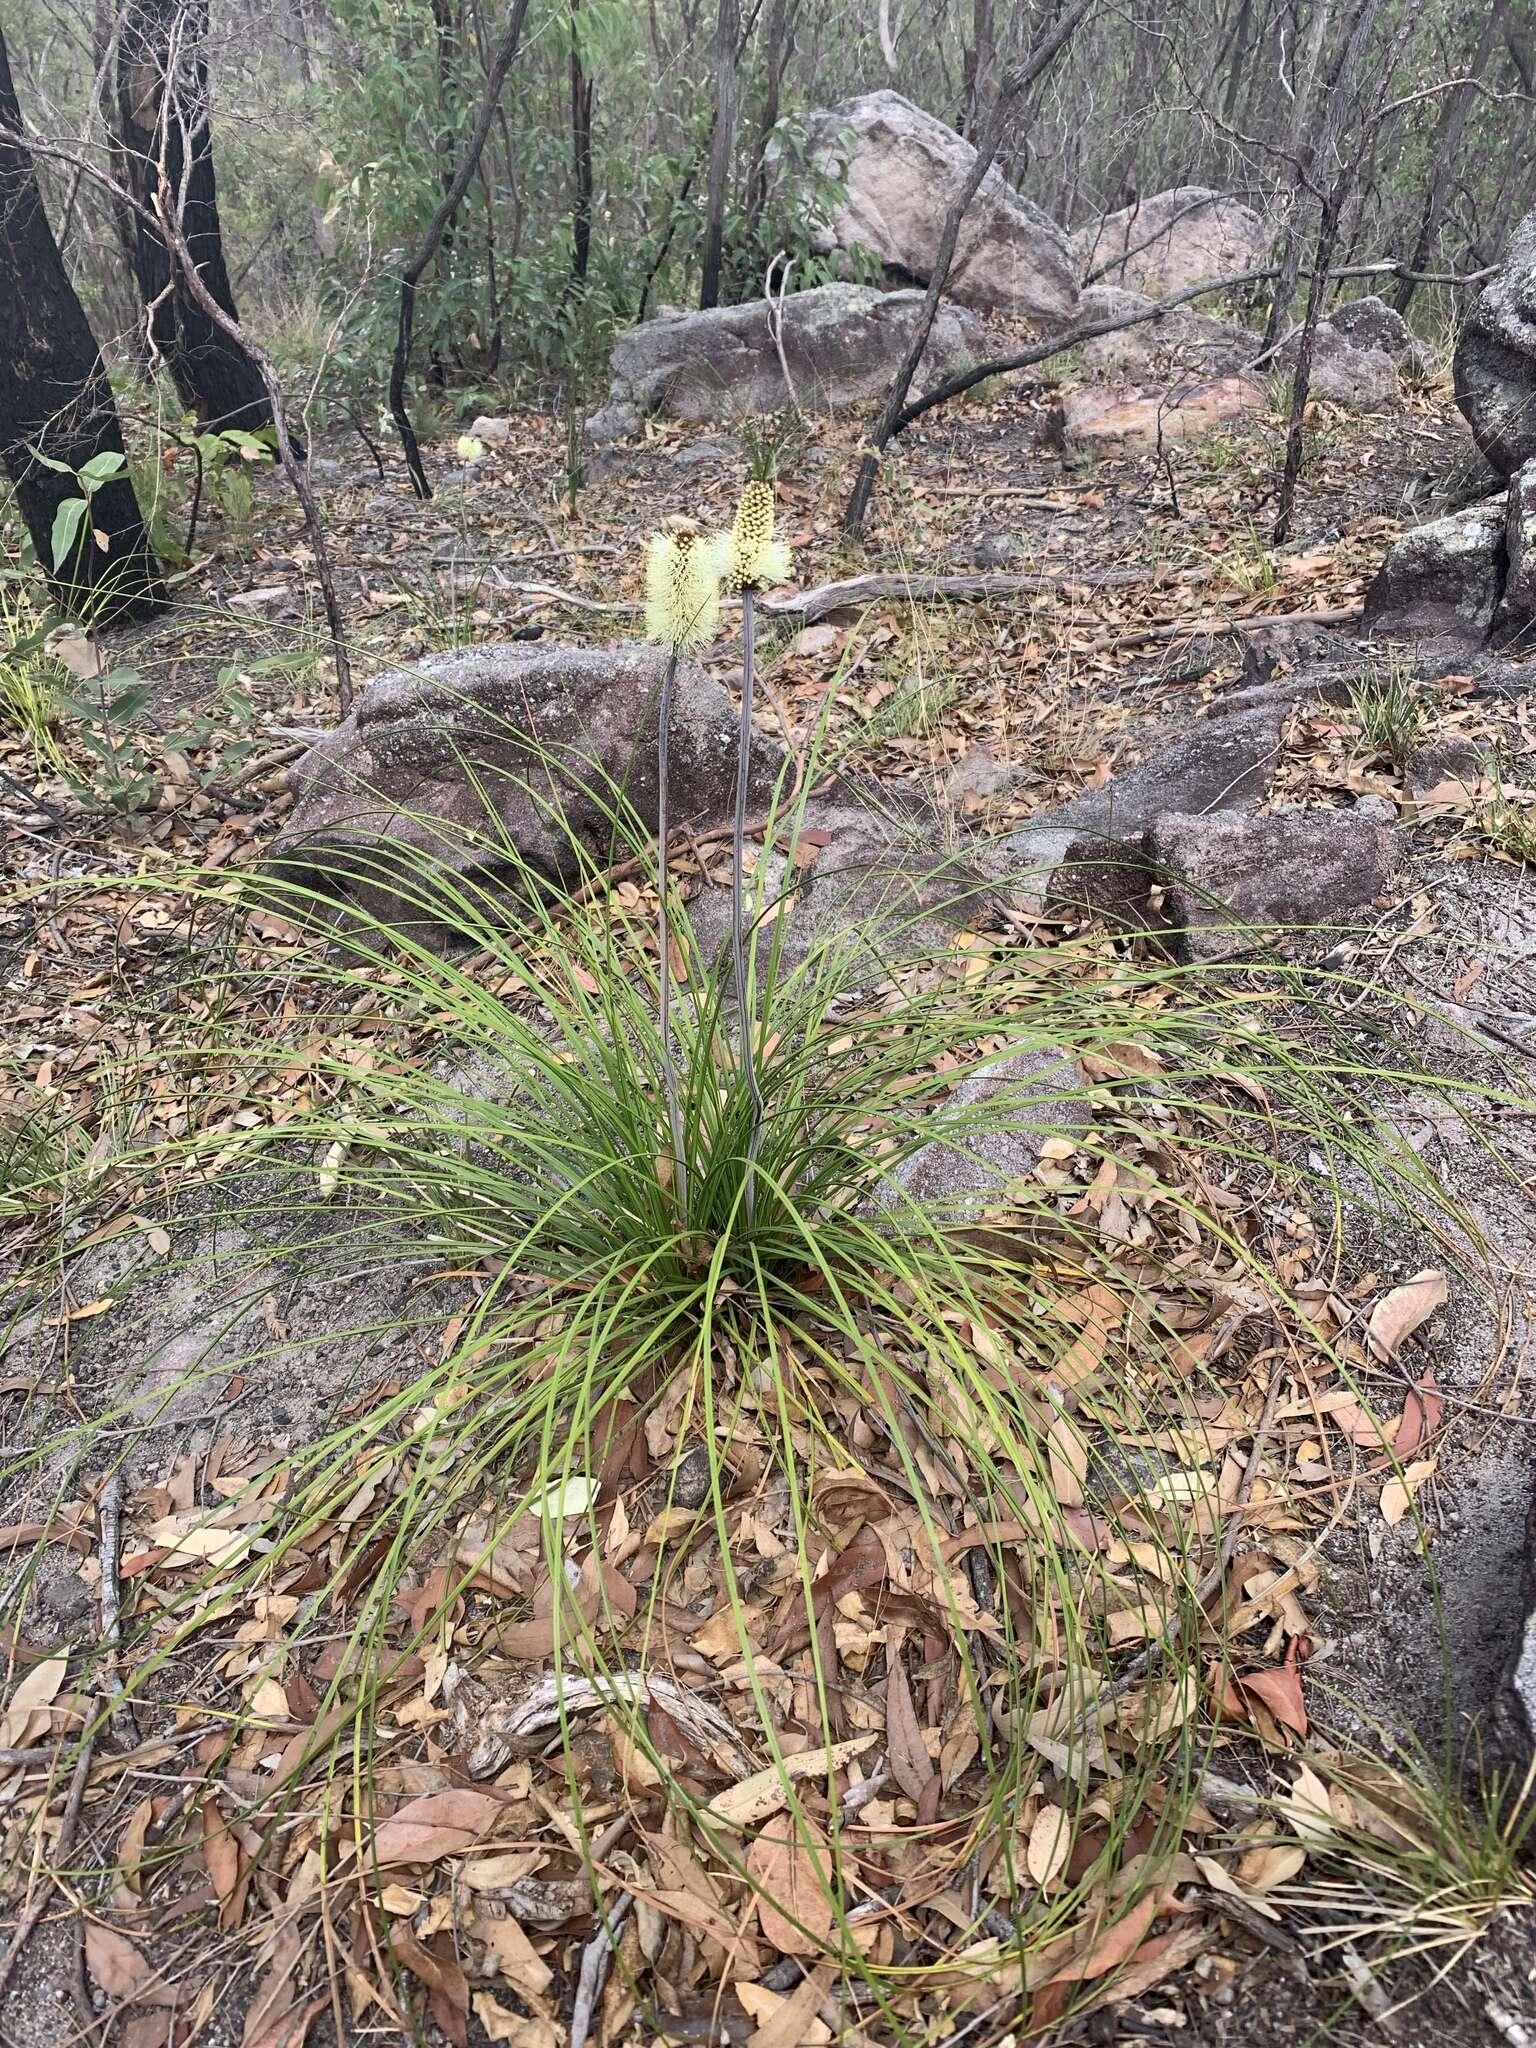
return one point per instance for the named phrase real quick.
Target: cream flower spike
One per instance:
(682, 592)
(750, 557)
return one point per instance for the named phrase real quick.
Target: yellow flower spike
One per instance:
(682, 592)
(750, 557)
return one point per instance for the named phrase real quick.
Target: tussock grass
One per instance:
(499, 1113)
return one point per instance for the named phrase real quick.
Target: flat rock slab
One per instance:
(1029, 1097)
(1133, 417)
(841, 344)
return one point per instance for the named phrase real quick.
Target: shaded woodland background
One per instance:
(338, 123)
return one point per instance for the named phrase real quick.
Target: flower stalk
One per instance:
(682, 611)
(752, 560)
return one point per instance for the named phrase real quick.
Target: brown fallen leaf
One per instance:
(740, 1806)
(1049, 1845)
(437, 1825)
(1113, 1947)
(221, 1853)
(794, 1908)
(1398, 1314)
(1398, 1494)
(120, 1968)
(1280, 1689)
(911, 1765)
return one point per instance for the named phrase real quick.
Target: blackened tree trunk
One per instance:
(55, 403)
(581, 153)
(167, 146)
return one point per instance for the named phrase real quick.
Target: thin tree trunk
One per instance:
(581, 150)
(1455, 112)
(412, 274)
(167, 147)
(56, 403)
(978, 66)
(773, 80)
(1337, 96)
(1012, 88)
(727, 29)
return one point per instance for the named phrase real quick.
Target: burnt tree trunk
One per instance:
(55, 402)
(167, 147)
(581, 153)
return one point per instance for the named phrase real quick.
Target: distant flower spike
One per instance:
(750, 557)
(682, 593)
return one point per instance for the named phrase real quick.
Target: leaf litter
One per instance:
(774, 1742)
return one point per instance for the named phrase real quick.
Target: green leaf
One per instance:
(66, 529)
(109, 463)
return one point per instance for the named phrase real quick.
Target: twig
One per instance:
(1194, 629)
(66, 1836)
(594, 1969)
(109, 1558)
(810, 605)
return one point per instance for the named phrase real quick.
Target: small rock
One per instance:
(1441, 762)
(1180, 341)
(700, 453)
(1371, 323)
(1271, 874)
(1443, 578)
(268, 599)
(995, 551)
(495, 433)
(814, 640)
(979, 775)
(1360, 379)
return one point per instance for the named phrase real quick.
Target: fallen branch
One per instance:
(1194, 629)
(809, 605)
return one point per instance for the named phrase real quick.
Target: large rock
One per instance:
(1182, 340)
(1371, 323)
(1138, 417)
(842, 343)
(1173, 239)
(1495, 361)
(492, 771)
(1518, 604)
(1227, 879)
(1362, 379)
(900, 168)
(1444, 578)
